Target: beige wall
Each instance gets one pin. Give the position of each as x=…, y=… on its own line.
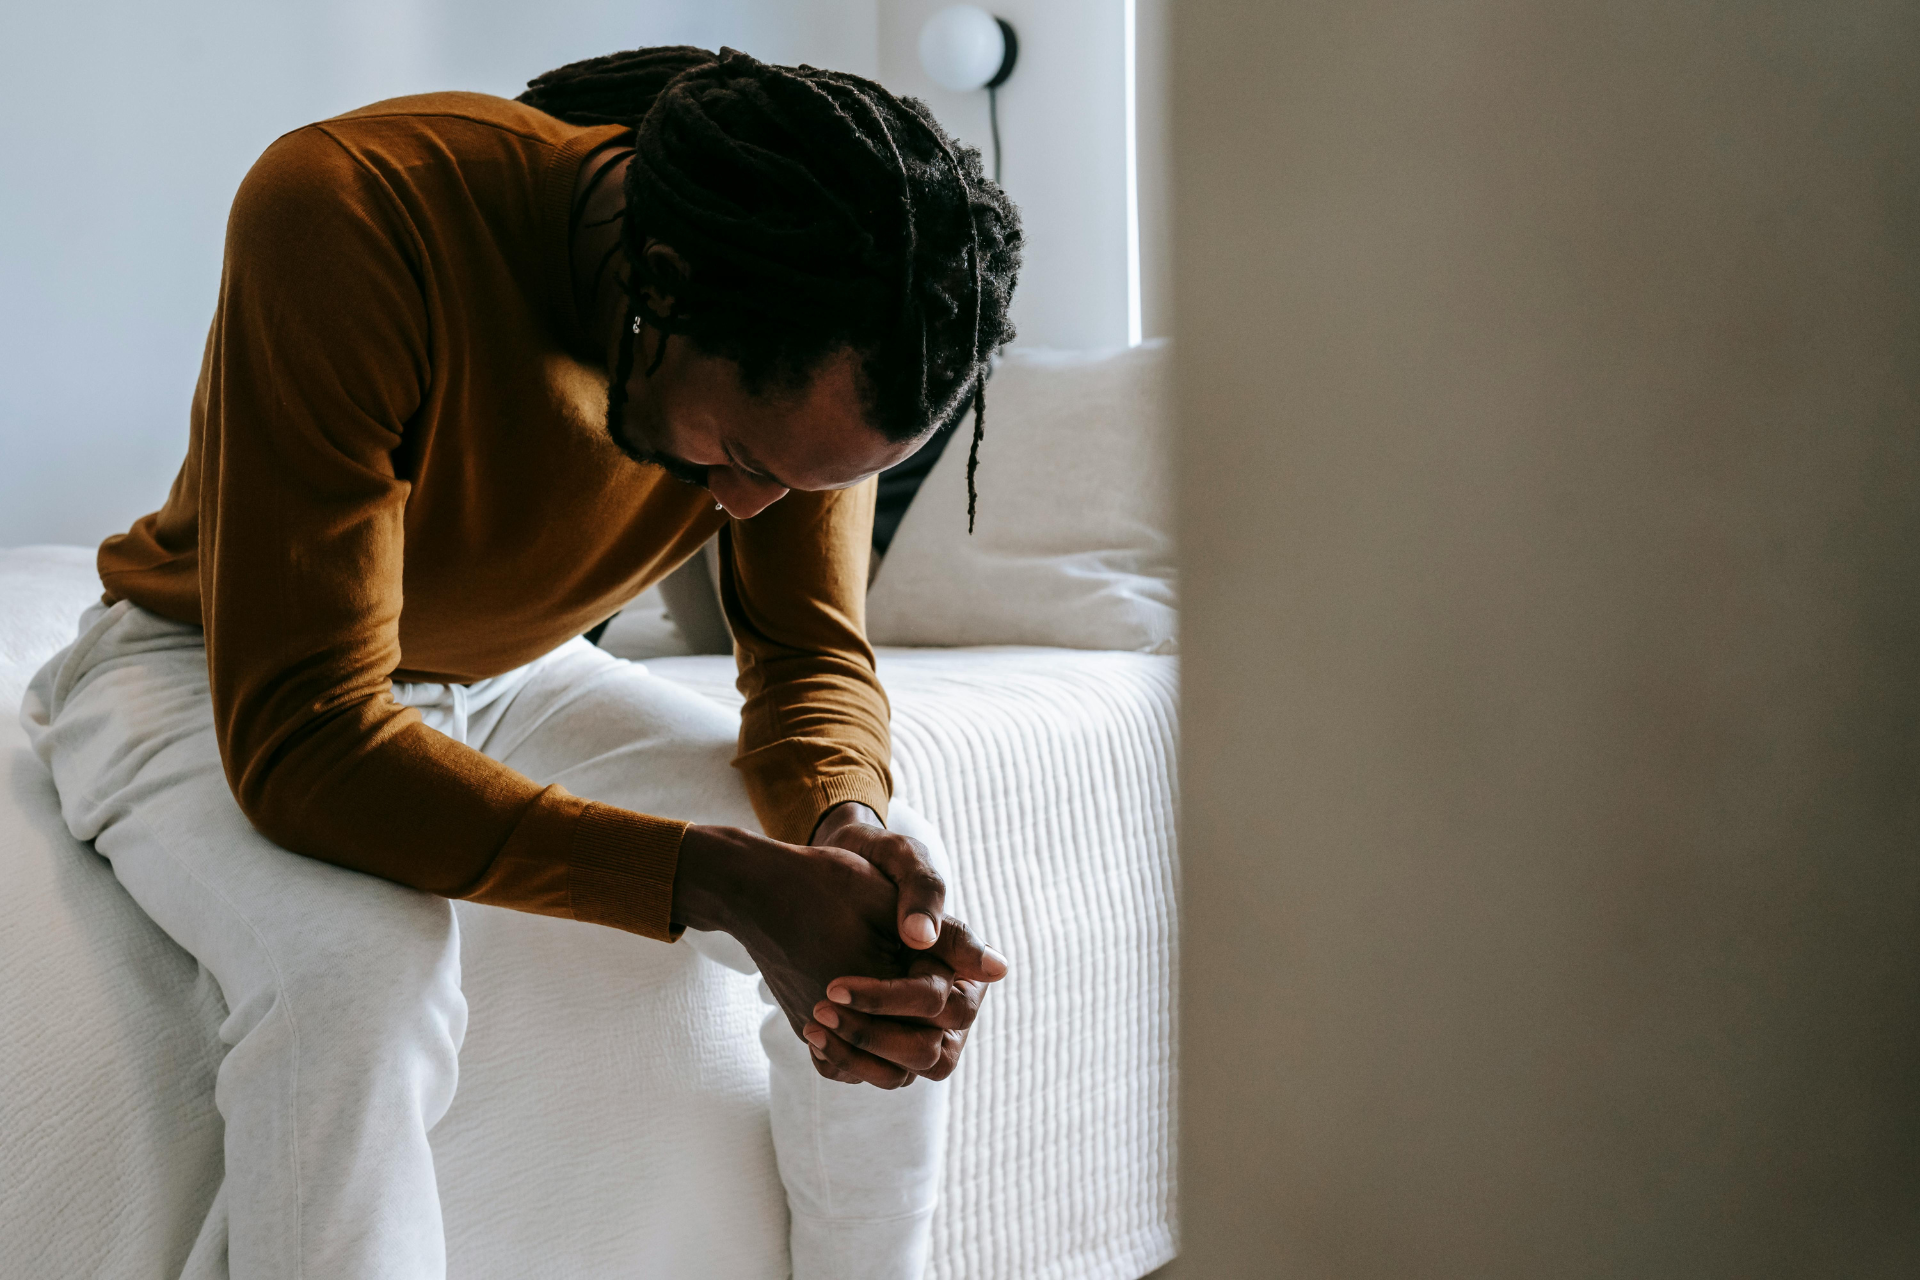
x=1550, y=428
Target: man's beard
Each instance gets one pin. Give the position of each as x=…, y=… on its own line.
x=679, y=468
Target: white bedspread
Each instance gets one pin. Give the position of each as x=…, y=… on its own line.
x=611, y=1114
x=111, y=1144
x=1050, y=773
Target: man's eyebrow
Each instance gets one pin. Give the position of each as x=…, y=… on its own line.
x=746, y=462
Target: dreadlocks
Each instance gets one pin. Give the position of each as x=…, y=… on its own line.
x=816, y=212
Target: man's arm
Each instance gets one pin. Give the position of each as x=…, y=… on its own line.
x=813, y=729
x=318, y=358
x=814, y=747
x=821, y=923
x=870, y=1023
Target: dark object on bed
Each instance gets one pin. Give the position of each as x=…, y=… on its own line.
x=690, y=597
x=897, y=487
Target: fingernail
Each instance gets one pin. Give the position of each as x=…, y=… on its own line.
x=919, y=930
x=816, y=1053
x=839, y=995
x=993, y=962
x=815, y=1037
x=826, y=1017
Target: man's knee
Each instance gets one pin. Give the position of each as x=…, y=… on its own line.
x=365, y=984
x=621, y=736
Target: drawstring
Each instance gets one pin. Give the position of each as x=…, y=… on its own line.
x=458, y=730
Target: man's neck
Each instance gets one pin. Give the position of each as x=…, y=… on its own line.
x=597, y=266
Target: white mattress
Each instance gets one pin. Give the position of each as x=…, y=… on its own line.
x=611, y=1114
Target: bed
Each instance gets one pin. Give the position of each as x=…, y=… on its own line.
x=611, y=1117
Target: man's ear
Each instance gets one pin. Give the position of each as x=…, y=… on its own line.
x=666, y=272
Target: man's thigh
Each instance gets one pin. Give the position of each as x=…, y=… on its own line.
x=606, y=730
x=134, y=755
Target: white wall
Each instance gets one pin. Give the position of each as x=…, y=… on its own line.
x=1155, y=160
x=1063, y=134
x=124, y=129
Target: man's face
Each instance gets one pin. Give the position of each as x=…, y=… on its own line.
x=694, y=418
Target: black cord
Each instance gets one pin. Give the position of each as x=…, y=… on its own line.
x=993, y=118
x=1009, y=54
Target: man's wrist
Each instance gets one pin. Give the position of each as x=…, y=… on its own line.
x=845, y=814
x=711, y=876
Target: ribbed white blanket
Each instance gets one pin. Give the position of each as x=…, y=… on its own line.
x=1050, y=773
x=611, y=1115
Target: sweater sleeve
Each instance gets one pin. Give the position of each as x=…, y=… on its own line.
x=318, y=358
x=813, y=732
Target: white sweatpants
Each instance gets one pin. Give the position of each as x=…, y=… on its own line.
x=345, y=1015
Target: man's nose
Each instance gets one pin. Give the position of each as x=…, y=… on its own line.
x=742, y=496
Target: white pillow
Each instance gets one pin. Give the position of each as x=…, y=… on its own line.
x=1071, y=545
x=644, y=630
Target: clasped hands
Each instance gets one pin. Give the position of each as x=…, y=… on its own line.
x=851, y=934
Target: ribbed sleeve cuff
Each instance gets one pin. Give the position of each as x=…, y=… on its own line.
x=795, y=820
x=620, y=870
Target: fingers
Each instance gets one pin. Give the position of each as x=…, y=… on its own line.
x=838, y=1060
x=967, y=955
x=930, y=1047
x=912, y=1045
x=923, y=996
x=923, y=894
x=930, y=993
x=827, y=1070
x=922, y=993
x=963, y=1006
x=952, y=1042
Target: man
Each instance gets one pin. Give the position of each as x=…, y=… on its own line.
x=480, y=372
